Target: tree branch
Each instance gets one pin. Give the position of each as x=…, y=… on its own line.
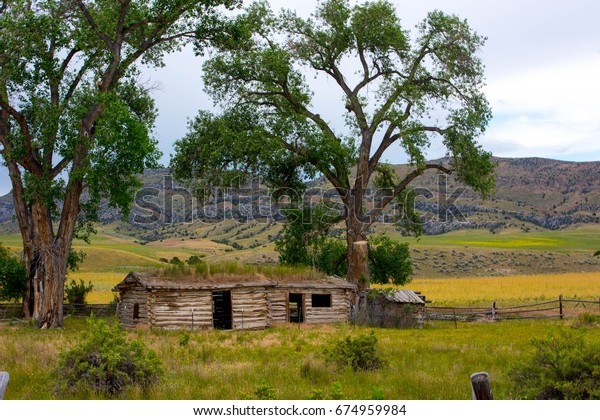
x=398, y=189
x=94, y=25
x=30, y=161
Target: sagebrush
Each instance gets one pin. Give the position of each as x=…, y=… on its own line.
x=359, y=353
x=105, y=362
x=564, y=366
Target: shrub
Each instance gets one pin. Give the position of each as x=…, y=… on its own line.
x=176, y=261
x=264, y=391
x=193, y=260
x=359, y=353
x=12, y=276
x=565, y=365
x=106, y=363
x=76, y=293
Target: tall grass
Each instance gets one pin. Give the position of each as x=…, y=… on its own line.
x=509, y=289
x=433, y=363
x=235, y=268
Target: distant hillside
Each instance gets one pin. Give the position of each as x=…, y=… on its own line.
x=531, y=193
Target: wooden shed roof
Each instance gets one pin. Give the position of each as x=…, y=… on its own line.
x=225, y=281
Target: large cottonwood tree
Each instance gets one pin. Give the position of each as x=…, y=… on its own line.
x=396, y=89
x=74, y=117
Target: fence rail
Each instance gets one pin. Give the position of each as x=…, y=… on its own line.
x=558, y=308
x=13, y=310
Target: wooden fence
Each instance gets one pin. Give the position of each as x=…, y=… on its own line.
x=558, y=308
x=13, y=310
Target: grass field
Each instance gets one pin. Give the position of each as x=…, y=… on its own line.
x=432, y=363
x=508, y=290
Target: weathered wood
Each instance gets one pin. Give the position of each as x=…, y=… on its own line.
x=4, y=377
x=481, y=387
x=560, y=306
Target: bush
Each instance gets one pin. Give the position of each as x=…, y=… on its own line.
x=359, y=353
x=193, y=260
x=12, y=277
x=389, y=261
x=264, y=391
x=76, y=293
x=106, y=363
x=176, y=261
x=564, y=366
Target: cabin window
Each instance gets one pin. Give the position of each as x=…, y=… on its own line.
x=136, y=311
x=321, y=301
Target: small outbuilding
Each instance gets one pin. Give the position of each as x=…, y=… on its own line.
x=230, y=302
x=393, y=308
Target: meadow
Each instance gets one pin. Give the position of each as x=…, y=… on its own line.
x=432, y=363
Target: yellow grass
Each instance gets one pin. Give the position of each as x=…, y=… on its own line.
x=509, y=289
x=103, y=283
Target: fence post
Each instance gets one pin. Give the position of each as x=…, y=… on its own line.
x=481, y=387
x=4, y=377
x=494, y=311
x=560, y=306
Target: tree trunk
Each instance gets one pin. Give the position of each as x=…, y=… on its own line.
x=358, y=255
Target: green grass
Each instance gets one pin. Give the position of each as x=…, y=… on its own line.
x=433, y=363
x=583, y=238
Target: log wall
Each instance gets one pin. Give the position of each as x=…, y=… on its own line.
x=172, y=310
x=250, y=308
x=338, y=312
x=129, y=298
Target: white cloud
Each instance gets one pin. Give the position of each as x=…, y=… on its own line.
x=550, y=110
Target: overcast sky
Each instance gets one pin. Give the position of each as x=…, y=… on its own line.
x=542, y=68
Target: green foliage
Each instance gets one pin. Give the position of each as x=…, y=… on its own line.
x=331, y=257
x=360, y=353
x=193, y=260
x=105, y=362
x=335, y=393
x=184, y=340
x=389, y=261
x=176, y=261
x=13, y=281
x=564, y=366
x=75, y=258
x=264, y=391
x=376, y=393
x=76, y=293
x=304, y=233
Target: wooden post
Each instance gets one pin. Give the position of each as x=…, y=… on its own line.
x=480, y=385
x=455, y=322
x=494, y=311
x=4, y=376
x=560, y=306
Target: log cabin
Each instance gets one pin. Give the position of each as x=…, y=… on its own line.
x=230, y=302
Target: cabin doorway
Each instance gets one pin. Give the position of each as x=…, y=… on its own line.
x=296, y=308
x=222, y=317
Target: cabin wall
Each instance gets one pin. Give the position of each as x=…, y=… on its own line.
x=172, y=310
x=250, y=307
x=129, y=298
x=338, y=312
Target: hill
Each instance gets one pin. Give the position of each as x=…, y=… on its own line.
x=530, y=194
